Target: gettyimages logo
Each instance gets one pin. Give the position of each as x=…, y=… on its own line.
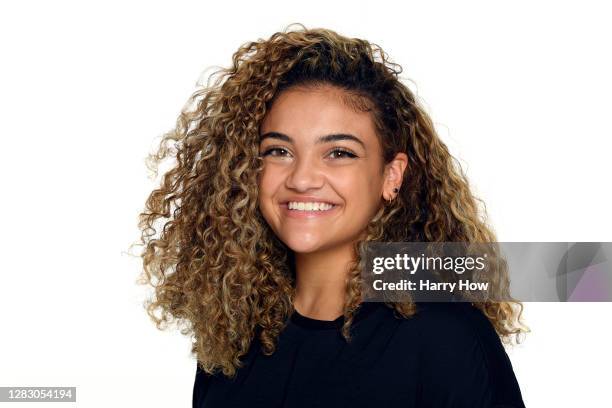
x=477, y=272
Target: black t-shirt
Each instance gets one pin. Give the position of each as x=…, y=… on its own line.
x=446, y=355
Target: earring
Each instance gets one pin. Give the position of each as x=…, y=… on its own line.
x=395, y=190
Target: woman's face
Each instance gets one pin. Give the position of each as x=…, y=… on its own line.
x=322, y=179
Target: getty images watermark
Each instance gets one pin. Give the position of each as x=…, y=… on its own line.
x=495, y=271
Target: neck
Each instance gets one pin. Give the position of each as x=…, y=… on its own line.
x=321, y=279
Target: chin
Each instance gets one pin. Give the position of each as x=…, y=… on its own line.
x=303, y=245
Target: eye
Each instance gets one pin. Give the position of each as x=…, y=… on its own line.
x=274, y=149
x=341, y=153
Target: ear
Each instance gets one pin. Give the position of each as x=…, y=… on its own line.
x=394, y=175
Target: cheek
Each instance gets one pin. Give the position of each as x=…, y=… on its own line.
x=265, y=183
x=360, y=190
x=268, y=184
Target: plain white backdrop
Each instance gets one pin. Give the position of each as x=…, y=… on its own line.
x=520, y=93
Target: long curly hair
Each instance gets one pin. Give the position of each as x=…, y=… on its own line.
x=216, y=267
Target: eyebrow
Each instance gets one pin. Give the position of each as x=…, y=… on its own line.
x=322, y=139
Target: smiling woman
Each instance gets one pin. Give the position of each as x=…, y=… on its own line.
x=310, y=148
x=318, y=150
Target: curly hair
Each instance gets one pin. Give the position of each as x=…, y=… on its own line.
x=216, y=267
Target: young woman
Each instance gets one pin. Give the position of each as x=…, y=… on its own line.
x=310, y=147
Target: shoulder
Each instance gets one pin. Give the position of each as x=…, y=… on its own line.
x=462, y=322
x=452, y=333
x=200, y=386
x=461, y=357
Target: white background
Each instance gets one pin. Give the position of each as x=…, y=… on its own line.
x=518, y=91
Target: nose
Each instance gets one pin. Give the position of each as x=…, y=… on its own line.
x=305, y=174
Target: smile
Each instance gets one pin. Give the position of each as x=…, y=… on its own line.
x=309, y=206
x=298, y=209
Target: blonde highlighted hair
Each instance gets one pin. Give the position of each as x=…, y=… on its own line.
x=215, y=265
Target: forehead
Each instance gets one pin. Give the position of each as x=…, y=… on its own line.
x=310, y=112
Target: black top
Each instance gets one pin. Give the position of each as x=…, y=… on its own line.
x=446, y=355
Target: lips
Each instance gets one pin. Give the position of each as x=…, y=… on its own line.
x=286, y=204
x=307, y=214
x=308, y=199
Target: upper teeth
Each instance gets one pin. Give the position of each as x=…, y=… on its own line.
x=301, y=206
